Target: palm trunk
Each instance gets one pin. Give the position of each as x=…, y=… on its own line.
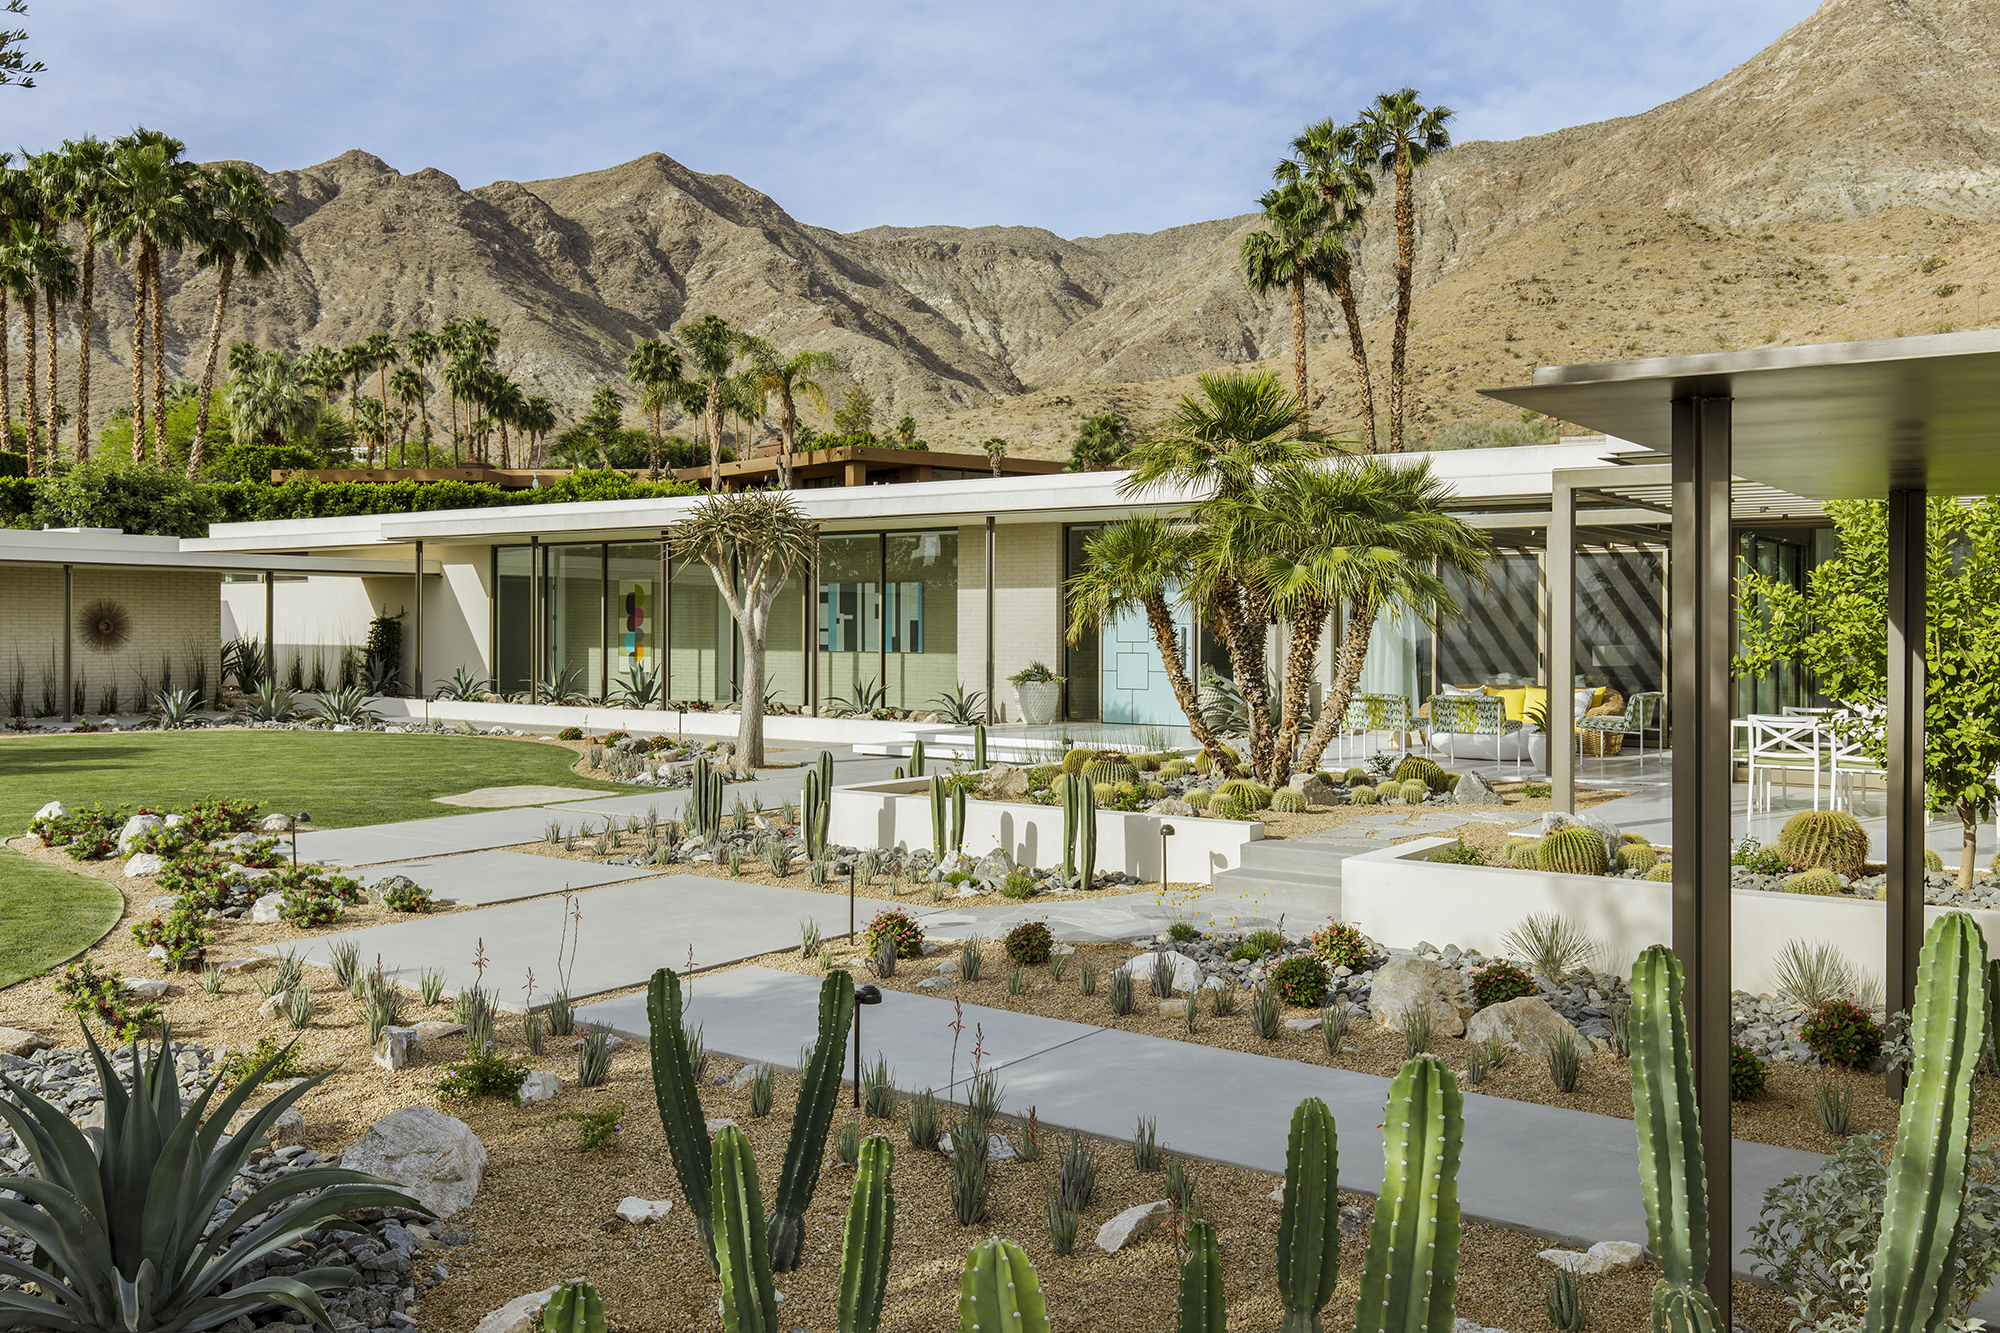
x=1166, y=635
x=83, y=335
x=1299, y=346
x=1343, y=288
x=653, y=460
x=1406, y=258
x=424, y=411
x=159, y=339
x=1243, y=636
x=6, y=389
x=715, y=437
x=791, y=434
x=1353, y=652
x=199, y=445
x=1300, y=660
x=49, y=304
x=28, y=381
x=454, y=430
x=139, y=362
x=504, y=455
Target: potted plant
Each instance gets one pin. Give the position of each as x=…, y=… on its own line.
x=1039, y=691
x=1537, y=716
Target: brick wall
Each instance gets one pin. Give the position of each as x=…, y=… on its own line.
x=1026, y=604
x=173, y=623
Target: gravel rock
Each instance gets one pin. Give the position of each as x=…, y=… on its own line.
x=636, y=1210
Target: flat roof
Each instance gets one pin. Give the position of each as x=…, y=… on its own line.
x=110, y=546
x=1830, y=421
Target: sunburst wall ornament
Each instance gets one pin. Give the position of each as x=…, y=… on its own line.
x=104, y=626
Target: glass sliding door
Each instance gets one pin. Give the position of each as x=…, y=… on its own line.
x=633, y=584
x=851, y=669
x=920, y=617
x=574, y=619
x=1082, y=660
x=1495, y=639
x=1620, y=619
x=702, y=654
x=513, y=619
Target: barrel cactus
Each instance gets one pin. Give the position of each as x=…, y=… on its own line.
x=1173, y=769
x=1363, y=794
x=1156, y=791
x=1416, y=791
x=1822, y=882
x=1074, y=761
x=1145, y=763
x=1451, y=781
x=1105, y=793
x=1824, y=840
x=1227, y=807
x=1418, y=769
x=1662, y=873
x=1932, y=861
x=1288, y=801
x=1197, y=797
x=1356, y=777
x=1113, y=771
x=1524, y=855
x=1639, y=839
x=1637, y=856
x=1573, y=850
x=1250, y=795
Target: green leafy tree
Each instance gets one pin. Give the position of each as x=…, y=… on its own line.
x=241, y=228
x=856, y=413
x=604, y=417
x=1101, y=443
x=1292, y=250
x=1402, y=134
x=15, y=67
x=1837, y=629
x=1327, y=158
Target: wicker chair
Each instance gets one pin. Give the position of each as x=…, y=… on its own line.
x=1599, y=741
x=1602, y=731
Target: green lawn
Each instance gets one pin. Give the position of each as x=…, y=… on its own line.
x=340, y=779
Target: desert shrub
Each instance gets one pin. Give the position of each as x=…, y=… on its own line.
x=570, y=734
x=1338, y=944
x=1747, y=1074
x=406, y=895
x=1765, y=860
x=218, y=817
x=1029, y=943
x=312, y=879
x=202, y=879
x=1841, y=1032
x=1017, y=885
x=290, y=1057
x=1499, y=981
x=1299, y=980
x=1460, y=853
x=483, y=1074
x=896, y=926
x=179, y=934
x=305, y=908
x=91, y=993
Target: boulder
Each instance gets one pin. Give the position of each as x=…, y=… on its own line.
x=1526, y=1025
x=1005, y=780
x=145, y=863
x=539, y=1086
x=1607, y=1256
x=13, y=1041
x=397, y=1047
x=265, y=911
x=432, y=1157
x=53, y=810
x=175, y=821
x=146, y=988
x=1598, y=824
x=1130, y=1225
x=992, y=869
x=523, y=1314
x=1404, y=986
x=250, y=964
x=276, y=824
x=997, y=1147
x=383, y=888
x=1304, y=1024
x=1475, y=790
x=277, y=1131
x=936, y=983
x=1318, y=790
x=636, y=1210
x=1173, y=807
x=135, y=829
x=1187, y=974
x=248, y=874
x=431, y=1029
x=745, y=1076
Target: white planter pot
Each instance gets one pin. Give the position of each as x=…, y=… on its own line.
x=1538, y=751
x=1038, y=700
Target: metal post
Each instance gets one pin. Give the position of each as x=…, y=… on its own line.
x=1560, y=710
x=270, y=632
x=882, y=616
x=660, y=604
x=1905, y=757
x=813, y=631
x=417, y=627
x=1701, y=599
x=534, y=619
x=666, y=626
x=857, y=1057
x=604, y=622
x=69, y=643
x=989, y=617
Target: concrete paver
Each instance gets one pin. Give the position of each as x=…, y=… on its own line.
x=375, y=844
x=477, y=879
x=496, y=798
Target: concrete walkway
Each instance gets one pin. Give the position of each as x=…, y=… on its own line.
x=479, y=879
x=1569, y=1175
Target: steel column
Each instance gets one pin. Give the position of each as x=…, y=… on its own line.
x=604, y=623
x=69, y=644
x=989, y=617
x=1559, y=720
x=661, y=629
x=534, y=619
x=1701, y=808
x=417, y=627
x=270, y=633
x=1905, y=757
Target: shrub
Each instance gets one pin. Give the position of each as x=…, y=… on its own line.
x=1747, y=1074
x=1460, y=853
x=613, y=737
x=1288, y=801
x=1338, y=944
x=202, y=879
x=1029, y=943
x=90, y=993
x=1824, y=839
x=1181, y=932
x=1299, y=980
x=179, y=934
x=1841, y=1032
x=1766, y=860
x=1017, y=885
x=218, y=816
x=483, y=1074
x=403, y=894
x=1499, y=981
x=167, y=843
x=309, y=907
x=312, y=879
x=1418, y=769
x=896, y=926
x=289, y=1055
x=570, y=734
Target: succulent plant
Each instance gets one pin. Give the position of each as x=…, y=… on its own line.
x=999, y=1292
x=1638, y=838
x=1227, y=807
x=1932, y=861
x=1574, y=849
x=1074, y=761
x=575, y=1308
x=1109, y=771
x=1247, y=794
x=1662, y=873
x=1363, y=794
x=1288, y=801
x=1824, y=840
x=1415, y=791
x=1419, y=769
x=1197, y=797
x=1356, y=777
x=1637, y=856
x=742, y=1256
x=871, y=1231
x=1821, y=882
x=1156, y=791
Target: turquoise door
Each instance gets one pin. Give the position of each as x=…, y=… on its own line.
x=1134, y=680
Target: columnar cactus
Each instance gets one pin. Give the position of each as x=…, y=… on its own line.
x=575, y=1308
x=1201, y=1307
x=704, y=804
x=1672, y=1180
x=742, y=1262
x=999, y=1292
x=679, y=1098
x=1409, y=1279
x=979, y=745
x=937, y=816
x=1086, y=836
x=1073, y=788
x=871, y=1230
x=958, y=800
x=1825, y=839
x=1309, y=1218
x=1573, y=850
x=917, y=758
x=816, y=813
x=819, y=1090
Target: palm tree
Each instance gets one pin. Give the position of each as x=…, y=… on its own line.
x=790, y=379
x=87, y=174
x=712, y=347
x=151, y=206
x=382, y=354
x=1327, y=158
x=478, y=336
x=461, y=379
x=12, y=184
x=505, y=404
x=752, y=543
x=241, y=227
x=421, y=348
x=409, y=387
x=355, y=366
x=654, y=367
x=270, y=398
x=59, y=287
x=1401, y=133
x=50, y=184
x=372, y=420
x=1294, y=249
x=20, y=276
x=538, y=418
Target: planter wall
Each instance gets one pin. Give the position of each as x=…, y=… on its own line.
x=1396, y=896
x=650, y=722
x=882, y=814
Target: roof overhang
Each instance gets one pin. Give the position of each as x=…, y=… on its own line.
x=109, y=548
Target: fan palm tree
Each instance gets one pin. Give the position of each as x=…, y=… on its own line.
x=382, y=354
x=1327, y=158
x=270, y=398
x=49, y=181
x=461, y=379
x=12, y=185
x=538, y=418
x=355, y=367
x=505, y=406
x=408, y=387
x=33, y=261
x=1400, y=133
x=1293, y=249
x=654, y=368
x=789, y=379
x=153, y=206
x=59, y=288
x=421, y=349
x=712, y=349
x=241, y=229
x=752, y=543
x=87, y=174
x=372, y=421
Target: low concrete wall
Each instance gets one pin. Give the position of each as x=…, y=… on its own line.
x=1396, y=896
x=646, y=721
x=882, y=814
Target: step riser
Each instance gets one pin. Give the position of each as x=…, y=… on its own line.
x=1296, y=856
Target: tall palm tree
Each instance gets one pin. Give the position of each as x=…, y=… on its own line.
x=1327, y=158
x=241, y=228
x=421, y=349
x=355, y=366
x=48, y=173
x=461, y=379
x=88, y=174
x=1401, y=134
x=712, y=349
x=655, y=368
x=270, y=398
x=1293, y=249
x=538, y=418
x=791, y=378
x=478, y=336
x=382, y=354
x=59, y=288
x=408, y=387
x=151, y=206
x=32, y=261
x=504, y=405
x=372, y=420
x=12, y=184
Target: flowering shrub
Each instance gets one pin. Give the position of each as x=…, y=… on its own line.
x=1029, y=944
x=1499, y=981
x=310, y=907
x=167, y=843
x=1339, y=944
x=1299, y=980
x=895, y=925
x=63, y=830
x=100, y=995
x=1841, y=1032
x=219, y=817
x=1747, y=1074
x=180, y=934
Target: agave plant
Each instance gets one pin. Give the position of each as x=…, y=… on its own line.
x=272, y=703
x=119, y=1216
x=347, y=707
x=464, y=686
x=640, y=688
x=961, y=708
x=379, y=674
x=173, y=710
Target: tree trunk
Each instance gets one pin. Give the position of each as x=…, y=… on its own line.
x=653, y=463
x=28, y=381
x=83, y=334
x=1167, y=636
x=790, y=424
x=1300, y=660
x=158, y=338
x=454, y=430
x=1406, y=258
x=198, y=448
x=750, y=728
x=424, y=411
x=6, y=389
x=505, y=455
x=49, y=304
x=1242, y=635
x=1968, y=846
x=139, y=361
x=1343, y=288
x=715, y=437
x=1359, y=629
x=1299, y=345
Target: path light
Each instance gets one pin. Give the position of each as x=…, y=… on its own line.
x=862, y=995
x=850, y=893
x=300, y=818
x=1166, y=831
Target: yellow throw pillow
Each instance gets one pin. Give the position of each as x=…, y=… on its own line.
x=1511, y=698
x=1533, y=697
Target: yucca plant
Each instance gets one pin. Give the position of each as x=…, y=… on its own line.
x=118, y=1215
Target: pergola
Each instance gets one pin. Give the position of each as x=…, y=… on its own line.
x=1895, y=418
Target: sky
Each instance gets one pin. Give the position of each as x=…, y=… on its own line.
x=1085, y=118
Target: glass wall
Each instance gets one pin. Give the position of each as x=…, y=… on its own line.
x=920, y=616
x=701, y=653
x=1399, y=657
x=512, y=614
x=1082, y=660
x=573, y=614
x=1787, y=555
x=1620, y=619
x=633, y=584
x=1493, y=641
x=850, y=620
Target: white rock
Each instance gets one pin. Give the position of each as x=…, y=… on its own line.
x=936, y=983
x=249, y=874
x=635, y=1209
x=434, y=1158
x=164, y=903
x=720, y=1123
x=432, y=1029
x=1475, y=790
x=158, y=953
x=745, y=1076
x=1604, y=1257
x=146, y=988
x=611, y=1042
x=539, y=1086
x=1598, y=824
x=1173, y=1008
x=523, y=1314
x=145, y=863
x=397, y=1047
x=1526, y=1025
x=1187, y=975
x=175, y=821
x=13, y=1041
x=1304, y=1024
x=1213, y=983
x=135, y=829
x=264, y=912
x=243, y=964
x=1403, y=986
x=272, y=1005
x=997, y=1147
x=53, y=810
x=275, y=824
x=948, y=968
x=1131, y=1224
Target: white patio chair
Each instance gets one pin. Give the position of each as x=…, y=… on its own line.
x=1781, y=745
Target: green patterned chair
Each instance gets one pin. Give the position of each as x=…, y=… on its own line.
x=1455, y=715
x=1643, y=712
x=1377, y=712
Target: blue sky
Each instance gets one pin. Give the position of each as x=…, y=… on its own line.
x=1081, y=118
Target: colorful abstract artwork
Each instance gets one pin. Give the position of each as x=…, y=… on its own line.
x=635, y=615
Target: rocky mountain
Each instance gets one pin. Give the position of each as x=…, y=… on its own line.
x=1843, y=182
